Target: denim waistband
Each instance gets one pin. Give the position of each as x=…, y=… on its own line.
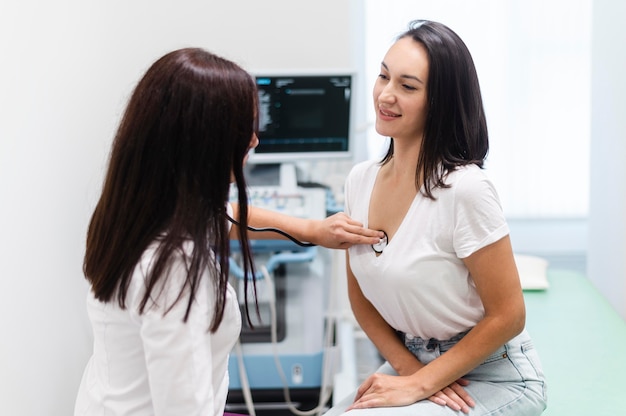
x=432, y=343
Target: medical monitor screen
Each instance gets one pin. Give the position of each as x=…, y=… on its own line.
x=303, y=117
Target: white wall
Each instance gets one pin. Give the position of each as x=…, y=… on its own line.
x=67, y=69
x=607, y=213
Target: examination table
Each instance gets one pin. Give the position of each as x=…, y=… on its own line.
x=581, y=341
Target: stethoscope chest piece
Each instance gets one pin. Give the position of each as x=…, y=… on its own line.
x=382, y=243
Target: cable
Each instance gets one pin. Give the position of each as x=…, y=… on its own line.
x=324, y=396
x=328, y=359
x=326, y=365
x=273, y=230
x=243, y=376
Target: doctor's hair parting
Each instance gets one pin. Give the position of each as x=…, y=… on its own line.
x=184, y=134
x=455, y=133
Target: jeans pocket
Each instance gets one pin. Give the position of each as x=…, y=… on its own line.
x=500, y=354
x=498, y=367
x=529, y=351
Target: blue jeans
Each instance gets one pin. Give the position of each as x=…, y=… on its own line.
x=510, y=382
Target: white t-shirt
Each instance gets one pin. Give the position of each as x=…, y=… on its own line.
x=419, y=284
x=151, y=364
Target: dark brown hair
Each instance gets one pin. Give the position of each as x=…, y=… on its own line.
x=456, y=127
x=185, y=131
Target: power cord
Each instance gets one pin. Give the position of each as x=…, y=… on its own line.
x=327, y=362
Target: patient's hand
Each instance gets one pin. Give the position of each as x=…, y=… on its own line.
x=454, y=396
x=382, y=390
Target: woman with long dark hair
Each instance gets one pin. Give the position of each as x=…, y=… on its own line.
x=164, y=316
x=441, y=300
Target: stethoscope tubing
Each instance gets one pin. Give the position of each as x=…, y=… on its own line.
x=273, y=230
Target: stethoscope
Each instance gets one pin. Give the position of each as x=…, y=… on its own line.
x=273, y=230
x=378, y=247
x=382, y=243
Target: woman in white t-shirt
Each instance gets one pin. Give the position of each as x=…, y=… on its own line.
x=440, y=298
x=164, y=316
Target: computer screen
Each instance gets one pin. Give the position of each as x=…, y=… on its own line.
x=303, y=116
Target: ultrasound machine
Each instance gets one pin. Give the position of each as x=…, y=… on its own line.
x=284, y=364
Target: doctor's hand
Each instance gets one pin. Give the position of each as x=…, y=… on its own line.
x=382, y=390
x=340, y=231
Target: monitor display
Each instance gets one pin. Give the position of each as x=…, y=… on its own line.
x=303, y=117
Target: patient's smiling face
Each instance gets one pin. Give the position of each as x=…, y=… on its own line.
x=400, y=92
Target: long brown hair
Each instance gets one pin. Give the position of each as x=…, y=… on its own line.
x=185, y=131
